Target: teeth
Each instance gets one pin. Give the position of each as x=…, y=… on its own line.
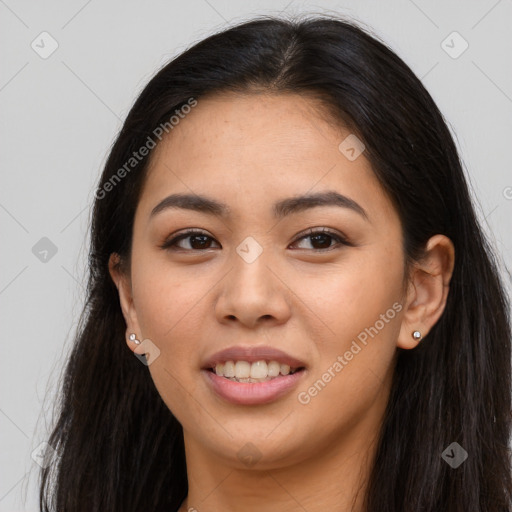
x=229, y=369
x=242, y=370
x=258, y=371
x=273, y=368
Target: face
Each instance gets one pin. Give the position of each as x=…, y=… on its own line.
x=322, y=283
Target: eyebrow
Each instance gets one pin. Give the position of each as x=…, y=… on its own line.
x=281, y=209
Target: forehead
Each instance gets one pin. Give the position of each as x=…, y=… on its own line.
x=253, y=148
x=247, y=121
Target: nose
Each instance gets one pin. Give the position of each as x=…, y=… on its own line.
x=252, y=294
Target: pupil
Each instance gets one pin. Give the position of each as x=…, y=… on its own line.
x=325, y=237
x=202, y=243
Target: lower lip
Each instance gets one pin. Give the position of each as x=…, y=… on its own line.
x=252, y=393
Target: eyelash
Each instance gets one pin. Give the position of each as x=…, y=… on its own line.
x=169, y=244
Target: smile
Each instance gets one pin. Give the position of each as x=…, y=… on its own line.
x=252, y=374
x=258, y=371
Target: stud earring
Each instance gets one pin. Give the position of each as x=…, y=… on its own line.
x=416, y=335
x=134, y=338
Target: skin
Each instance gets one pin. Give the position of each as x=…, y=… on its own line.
x=249, y=151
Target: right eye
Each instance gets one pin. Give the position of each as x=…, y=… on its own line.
x=197, y=241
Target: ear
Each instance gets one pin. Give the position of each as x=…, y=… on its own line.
x=123, y=284
x=428, y=288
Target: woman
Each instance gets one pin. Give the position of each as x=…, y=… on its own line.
x=284, y=239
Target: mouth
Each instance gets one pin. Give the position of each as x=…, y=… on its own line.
x=252, y=375
x=253, y=372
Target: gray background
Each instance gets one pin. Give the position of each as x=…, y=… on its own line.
x=60, y=115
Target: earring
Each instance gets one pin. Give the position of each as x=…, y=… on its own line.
x=416, y=335
x=134, y=338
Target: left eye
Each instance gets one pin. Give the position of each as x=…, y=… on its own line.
x=323, y=238
x=197, y=240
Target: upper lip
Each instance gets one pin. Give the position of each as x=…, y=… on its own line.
x=252, y=354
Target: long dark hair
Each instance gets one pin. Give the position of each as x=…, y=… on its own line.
x=121, y=449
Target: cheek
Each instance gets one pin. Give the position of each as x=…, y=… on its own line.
x=165, y=298
x=352, y=294
x=169, y=306
x=354, y=365
x=169, y=314
x=359, y=305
